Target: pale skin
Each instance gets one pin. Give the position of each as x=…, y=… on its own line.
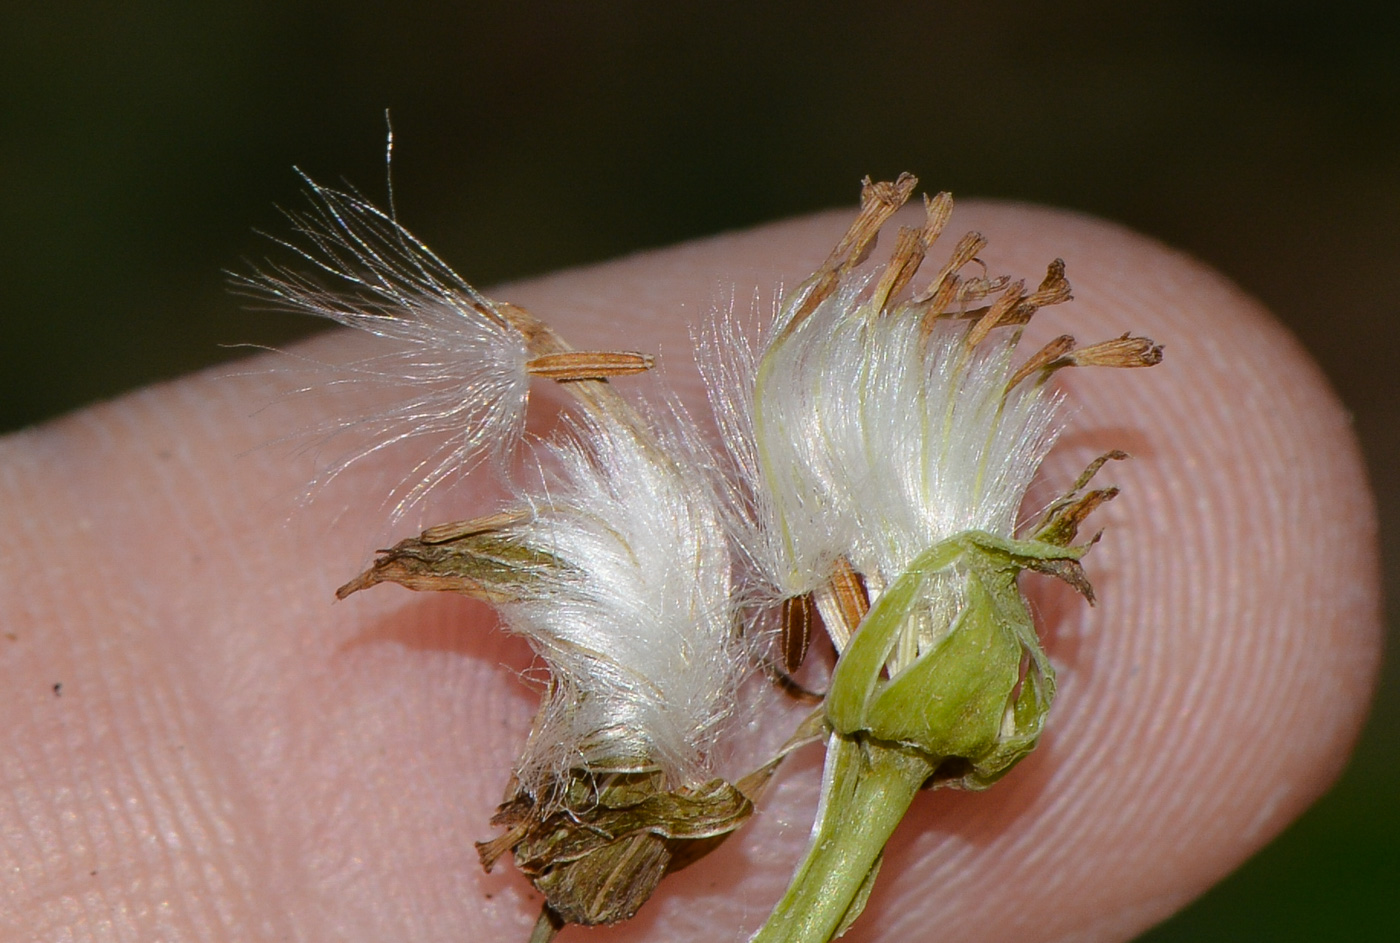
x=231, y=756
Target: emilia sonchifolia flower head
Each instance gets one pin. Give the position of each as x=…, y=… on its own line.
x=614, y=564
x=883, y=441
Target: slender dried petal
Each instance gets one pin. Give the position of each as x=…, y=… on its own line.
x=1125, y=351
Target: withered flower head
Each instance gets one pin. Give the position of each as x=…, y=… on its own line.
x=615, y=565
x=883, y=440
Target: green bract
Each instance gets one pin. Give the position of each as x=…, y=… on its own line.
x=958, y=700
x=962, y=713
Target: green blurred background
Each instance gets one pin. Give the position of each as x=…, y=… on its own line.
x=142, y=142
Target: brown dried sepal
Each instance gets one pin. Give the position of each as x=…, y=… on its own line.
x=909, y=249
x=976, y=289
x=1068, y=571
x=1041, y=359
x=598, y=845
x=589, y=365
x=1014, y=307
x=878, y=202
x=1124, y=352
x=455, y=530
x=1060, y=523
x=937, y=211
x=938, y=304
x=1002, y=309
x=1053, y=289
x=479, y=558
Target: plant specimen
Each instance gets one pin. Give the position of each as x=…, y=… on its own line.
x=877, y=448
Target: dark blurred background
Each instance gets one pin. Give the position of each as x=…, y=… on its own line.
x=142, y=142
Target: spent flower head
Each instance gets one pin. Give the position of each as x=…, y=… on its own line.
x=883, y=441
x=614, y=564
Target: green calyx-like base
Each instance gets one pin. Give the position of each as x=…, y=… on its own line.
x=962, y=712
x=959, y=699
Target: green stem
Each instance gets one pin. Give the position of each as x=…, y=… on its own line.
x=866, y=790
x=547, y=927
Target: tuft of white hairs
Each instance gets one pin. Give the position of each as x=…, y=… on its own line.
x=635, y=624
x=871, y=435
x=456, y=363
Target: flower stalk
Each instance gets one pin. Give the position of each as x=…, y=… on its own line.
x=954, y=714
x=866, y=788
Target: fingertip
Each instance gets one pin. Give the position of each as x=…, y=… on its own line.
x=1208, y=699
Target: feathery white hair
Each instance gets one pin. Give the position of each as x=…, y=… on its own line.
x=872, y=435
x=635, y=622
x=635, y=625
x=458, y=362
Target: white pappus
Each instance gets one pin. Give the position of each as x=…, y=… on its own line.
x=635, y=623
x=452, y=355
x=870, y=436
x=614, y=563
